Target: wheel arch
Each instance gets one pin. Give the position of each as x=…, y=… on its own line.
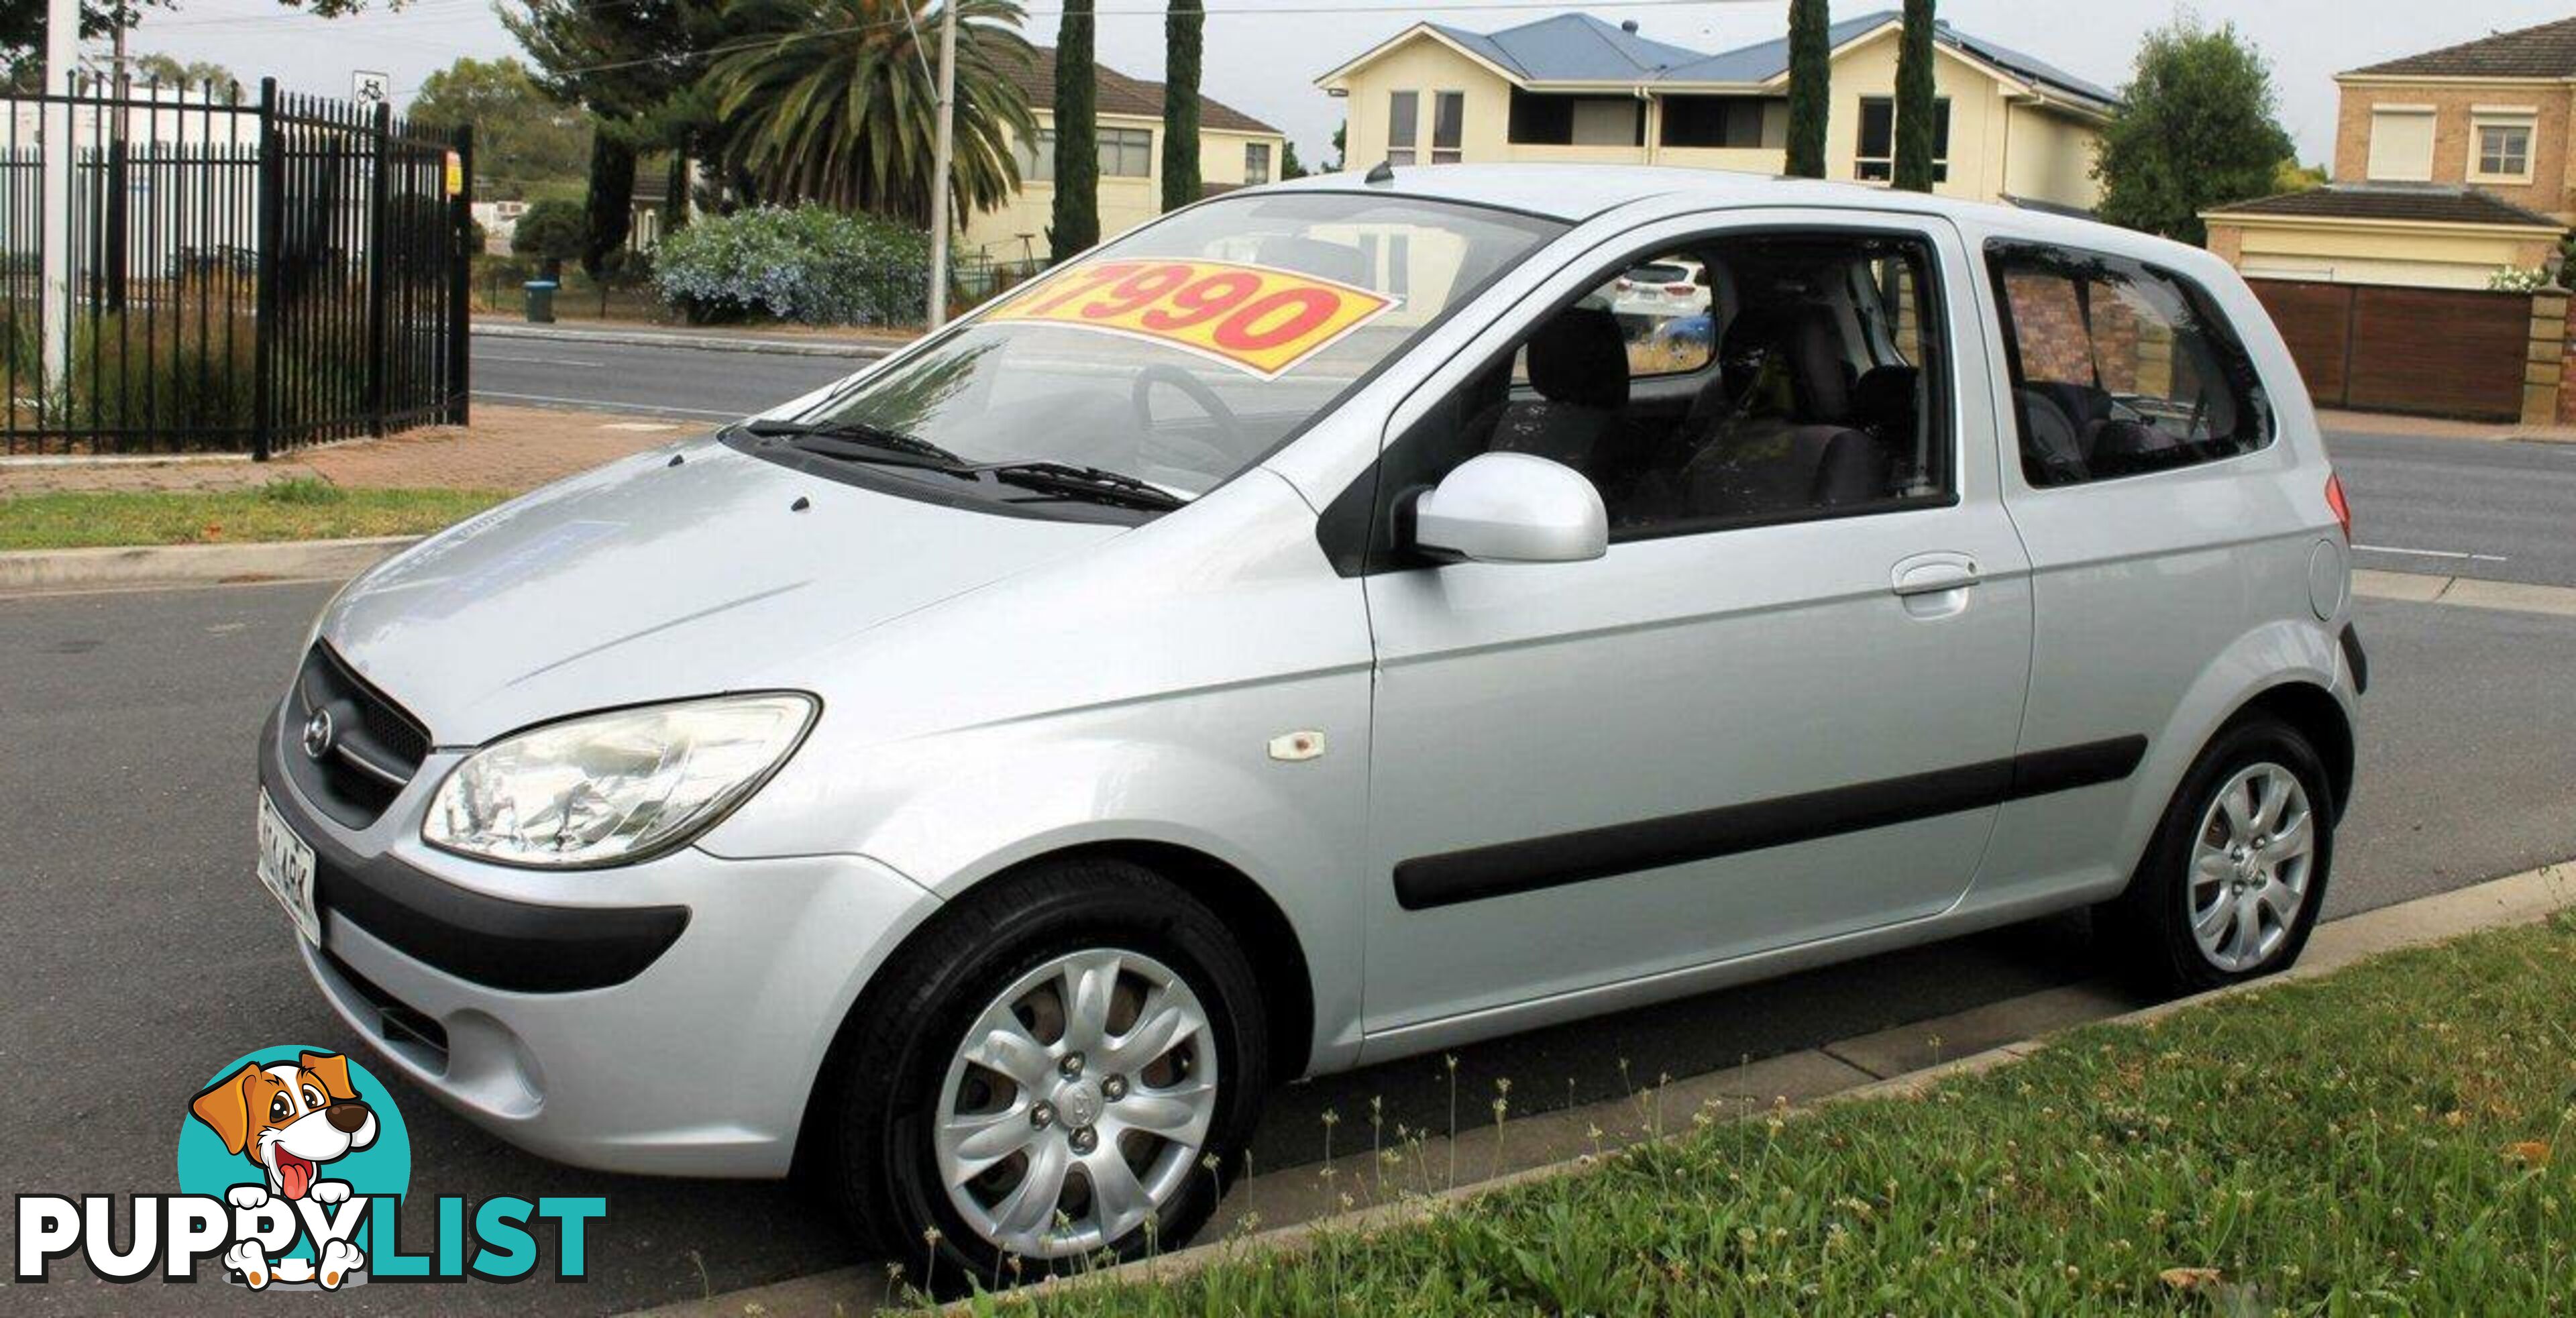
x=1268, y=938
x=2322, y=719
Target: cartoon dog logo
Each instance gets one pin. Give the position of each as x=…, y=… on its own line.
x=289, y=1120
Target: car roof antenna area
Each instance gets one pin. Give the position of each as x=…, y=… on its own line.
x=1381, y=172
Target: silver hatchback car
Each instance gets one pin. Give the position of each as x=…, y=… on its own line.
x=1314, y=628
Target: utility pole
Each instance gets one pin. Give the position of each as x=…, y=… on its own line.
x=62, y=51
x=942, y=162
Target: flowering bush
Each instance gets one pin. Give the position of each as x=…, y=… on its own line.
x=2513, y=280
x=809, y=264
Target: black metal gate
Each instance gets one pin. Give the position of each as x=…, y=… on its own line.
x=251, y=277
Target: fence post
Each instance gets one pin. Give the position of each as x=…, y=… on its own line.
x=379, y=183
x=272, y=180
x=460, y=285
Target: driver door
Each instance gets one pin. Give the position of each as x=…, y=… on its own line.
x=1726, y=736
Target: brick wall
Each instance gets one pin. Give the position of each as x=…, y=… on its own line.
x=2049, y=323
x=2564, y=320
x=2549, y=190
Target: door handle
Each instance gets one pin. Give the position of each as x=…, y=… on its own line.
x=1929, y=574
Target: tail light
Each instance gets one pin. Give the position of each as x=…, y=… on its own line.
x=1625, y=286
x=2342, y=509
x=1678, y=290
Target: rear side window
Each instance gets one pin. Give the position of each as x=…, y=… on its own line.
x=2119, y=369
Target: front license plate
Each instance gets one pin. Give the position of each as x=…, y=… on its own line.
x=286, y=869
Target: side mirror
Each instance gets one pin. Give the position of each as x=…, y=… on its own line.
x=1511, y=508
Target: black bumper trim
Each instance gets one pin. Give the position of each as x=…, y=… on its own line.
x=518, y=947
x=2353, y=656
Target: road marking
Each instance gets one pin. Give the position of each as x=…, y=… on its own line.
x=607, y=405
x=2465, y=592
x=2432, y=553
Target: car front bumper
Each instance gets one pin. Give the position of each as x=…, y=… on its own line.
x=668, y=1017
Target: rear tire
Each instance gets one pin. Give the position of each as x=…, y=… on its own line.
x=1130, y=1035
x=2236, y=872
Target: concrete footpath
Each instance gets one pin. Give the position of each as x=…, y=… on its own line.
x=1288, y=1210
x=792, y=341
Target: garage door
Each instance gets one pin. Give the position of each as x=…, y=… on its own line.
x=2431, y=351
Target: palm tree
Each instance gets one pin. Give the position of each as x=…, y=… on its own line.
x=833, y=101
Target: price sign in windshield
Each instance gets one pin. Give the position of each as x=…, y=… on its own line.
x=1255, y=318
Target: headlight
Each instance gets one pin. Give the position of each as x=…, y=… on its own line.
x=604, y=789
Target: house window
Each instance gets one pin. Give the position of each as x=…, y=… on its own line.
x=2401, y=143
x=1256, y=162
x=1875, y=160
x=1126, y=152
x=2504, y=149
x=1448, y=127
x=1546, y=119
x=1036, y=155
x=1403, y=110
x=1735, y=122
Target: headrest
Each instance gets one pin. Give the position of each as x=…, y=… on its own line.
x=1802, y=340
x=1580, y=357
x=1885, y=397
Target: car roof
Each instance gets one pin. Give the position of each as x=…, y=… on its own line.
x=1575, y=193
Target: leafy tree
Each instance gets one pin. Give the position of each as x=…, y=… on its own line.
x=835, y=102
x=1915, y=104
x=1289, y=165
x=1075, y=224
x=638, y=66
x=1341, y=146
x=2291, y=176
x=1810, y=86
x=551, y=232
x=526, y=144
x=1184, y=31
x=191, y=74
x=610, y=201
x=2198, y=128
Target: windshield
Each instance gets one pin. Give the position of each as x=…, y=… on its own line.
x=1179, y=355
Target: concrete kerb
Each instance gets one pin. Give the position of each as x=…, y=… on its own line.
x=180, y=565
x=783, y=347
x=2516, y=899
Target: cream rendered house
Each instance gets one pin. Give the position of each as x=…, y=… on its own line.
x=1235, y=150
x=2450, y=166
x=1574, y=88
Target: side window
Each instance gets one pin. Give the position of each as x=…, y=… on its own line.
x=1744, y=379
x=2119, y=369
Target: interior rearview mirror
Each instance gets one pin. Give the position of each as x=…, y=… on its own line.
x=1511, y=508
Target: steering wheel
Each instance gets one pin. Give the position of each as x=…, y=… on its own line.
x=1225, y=455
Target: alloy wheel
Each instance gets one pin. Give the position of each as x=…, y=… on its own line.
x=2250, y=866
x=1077, y=1104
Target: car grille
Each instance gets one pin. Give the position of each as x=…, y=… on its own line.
x=374, y=748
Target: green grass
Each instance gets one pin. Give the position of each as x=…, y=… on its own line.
x=2374, y=1142
x=297, y=509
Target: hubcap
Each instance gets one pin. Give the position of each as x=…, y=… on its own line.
x=2250, y=867
x=1077, y=1104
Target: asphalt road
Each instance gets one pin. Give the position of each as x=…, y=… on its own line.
x=142, y=956
x=2495, y=510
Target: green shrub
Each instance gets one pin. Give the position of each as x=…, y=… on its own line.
x=551, y=233
x=809, y=264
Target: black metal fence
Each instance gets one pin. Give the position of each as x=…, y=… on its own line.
x=242, y=276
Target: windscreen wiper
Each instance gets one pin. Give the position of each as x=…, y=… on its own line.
x=858, y=441
x=1071, y=480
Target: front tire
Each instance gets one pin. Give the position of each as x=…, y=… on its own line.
x=2236, y=873
x=1067, y=1064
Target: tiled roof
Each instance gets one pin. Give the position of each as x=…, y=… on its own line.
x=1121, y=94
x=2546, y=51
x=2431, y=204
x=1581, y=48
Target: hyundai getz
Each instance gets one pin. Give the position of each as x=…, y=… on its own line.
x=1315, y=628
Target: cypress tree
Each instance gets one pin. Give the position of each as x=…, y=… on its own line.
x=1915, y=107
x=611, y=200
x=1810, y=86
x=1076, y=225
x=1184, y=29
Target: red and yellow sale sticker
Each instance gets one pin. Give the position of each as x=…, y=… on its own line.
x=1256, y=318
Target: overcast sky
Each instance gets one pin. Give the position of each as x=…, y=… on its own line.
x=1263, y=55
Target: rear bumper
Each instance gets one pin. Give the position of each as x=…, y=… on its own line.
x=668, y=1017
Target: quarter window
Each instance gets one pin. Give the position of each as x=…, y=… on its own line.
x=2119, y=369
x=1875, y=160
x=1403, y=111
